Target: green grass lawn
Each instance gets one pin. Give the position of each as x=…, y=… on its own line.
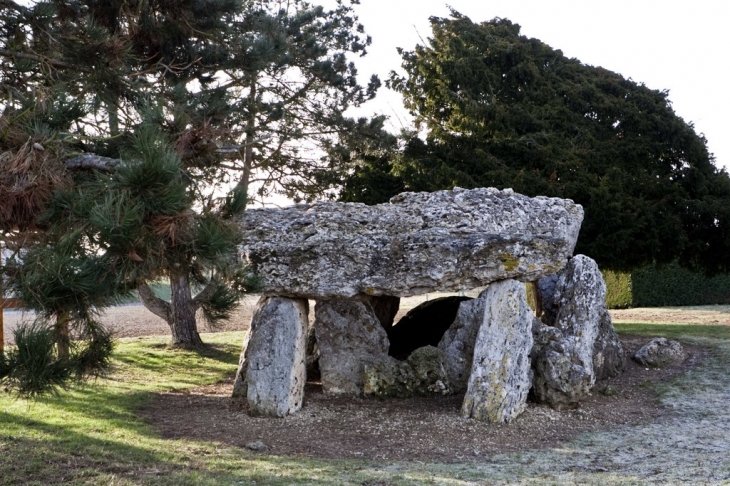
x=92, y=435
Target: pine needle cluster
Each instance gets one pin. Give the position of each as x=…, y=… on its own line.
x=34, y=367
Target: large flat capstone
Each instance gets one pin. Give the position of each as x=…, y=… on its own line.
x=415, y=244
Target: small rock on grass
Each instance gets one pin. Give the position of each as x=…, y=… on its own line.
x=257, y=446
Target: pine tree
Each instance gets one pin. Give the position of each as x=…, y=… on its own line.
x=125, y=123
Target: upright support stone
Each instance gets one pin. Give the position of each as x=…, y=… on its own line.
x=583, y=345
x=457, y=344
x=272, y=371
x=609, y=357
x=349, y=335
x=501, y=376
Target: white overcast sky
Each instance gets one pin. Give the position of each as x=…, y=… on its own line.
x=682, y=46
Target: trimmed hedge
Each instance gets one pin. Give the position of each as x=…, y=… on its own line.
x=618, y=289
x=665, y=286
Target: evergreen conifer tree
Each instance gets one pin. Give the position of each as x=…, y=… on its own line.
x=503, y=110
x=125, y=123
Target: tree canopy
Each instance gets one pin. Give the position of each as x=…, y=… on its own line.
x=500, y=109
x=130, y=133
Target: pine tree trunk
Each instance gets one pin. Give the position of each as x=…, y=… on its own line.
x=182, y=313
x=250, y=133
x=63, y=340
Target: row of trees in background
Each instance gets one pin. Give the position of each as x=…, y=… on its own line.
x=134, y=132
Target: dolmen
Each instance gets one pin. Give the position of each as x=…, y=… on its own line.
x=357, y=261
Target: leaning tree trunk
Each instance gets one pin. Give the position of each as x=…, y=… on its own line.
x=179, y=313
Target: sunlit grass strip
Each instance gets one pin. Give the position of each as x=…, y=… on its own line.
x=675, y=331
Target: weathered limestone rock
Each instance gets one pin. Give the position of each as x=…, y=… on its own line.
x=457, y=343
x=659, y=352
x=240, y=386
x=417, y=243
x=609, y=357
x=424, y=325
x=501, y=375
x=586, y=348
x=580, y=297
x=560, y=379
x=272, y=371
x=423, y=373
x=349, y=336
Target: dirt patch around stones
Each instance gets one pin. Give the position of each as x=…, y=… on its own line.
x=421, y=428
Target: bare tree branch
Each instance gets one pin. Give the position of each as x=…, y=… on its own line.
x=154, y=304
x=34, y=57
x=92, y=162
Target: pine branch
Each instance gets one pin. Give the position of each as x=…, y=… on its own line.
x=92, y=162
x=34, y=57
x=205, y=294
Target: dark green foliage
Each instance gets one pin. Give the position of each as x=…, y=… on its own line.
x=91, y=355
x=665, y=286
x=503, y=110
x=33, y=367
x=367, y=151
x=220, y=305
x=244, y=281
x=191, y=99
x=68, y=278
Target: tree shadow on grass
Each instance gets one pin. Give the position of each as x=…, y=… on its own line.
x=35, y=452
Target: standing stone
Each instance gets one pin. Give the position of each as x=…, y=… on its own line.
x=501, y=376
x=240, y=386
x=561, y=378
x=349, y=335
x=609, y=357
x=273, y=362
x=567, y=363
x=457, y=344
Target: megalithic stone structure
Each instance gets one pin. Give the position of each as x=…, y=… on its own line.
x=349, y=253
x=578, y=345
